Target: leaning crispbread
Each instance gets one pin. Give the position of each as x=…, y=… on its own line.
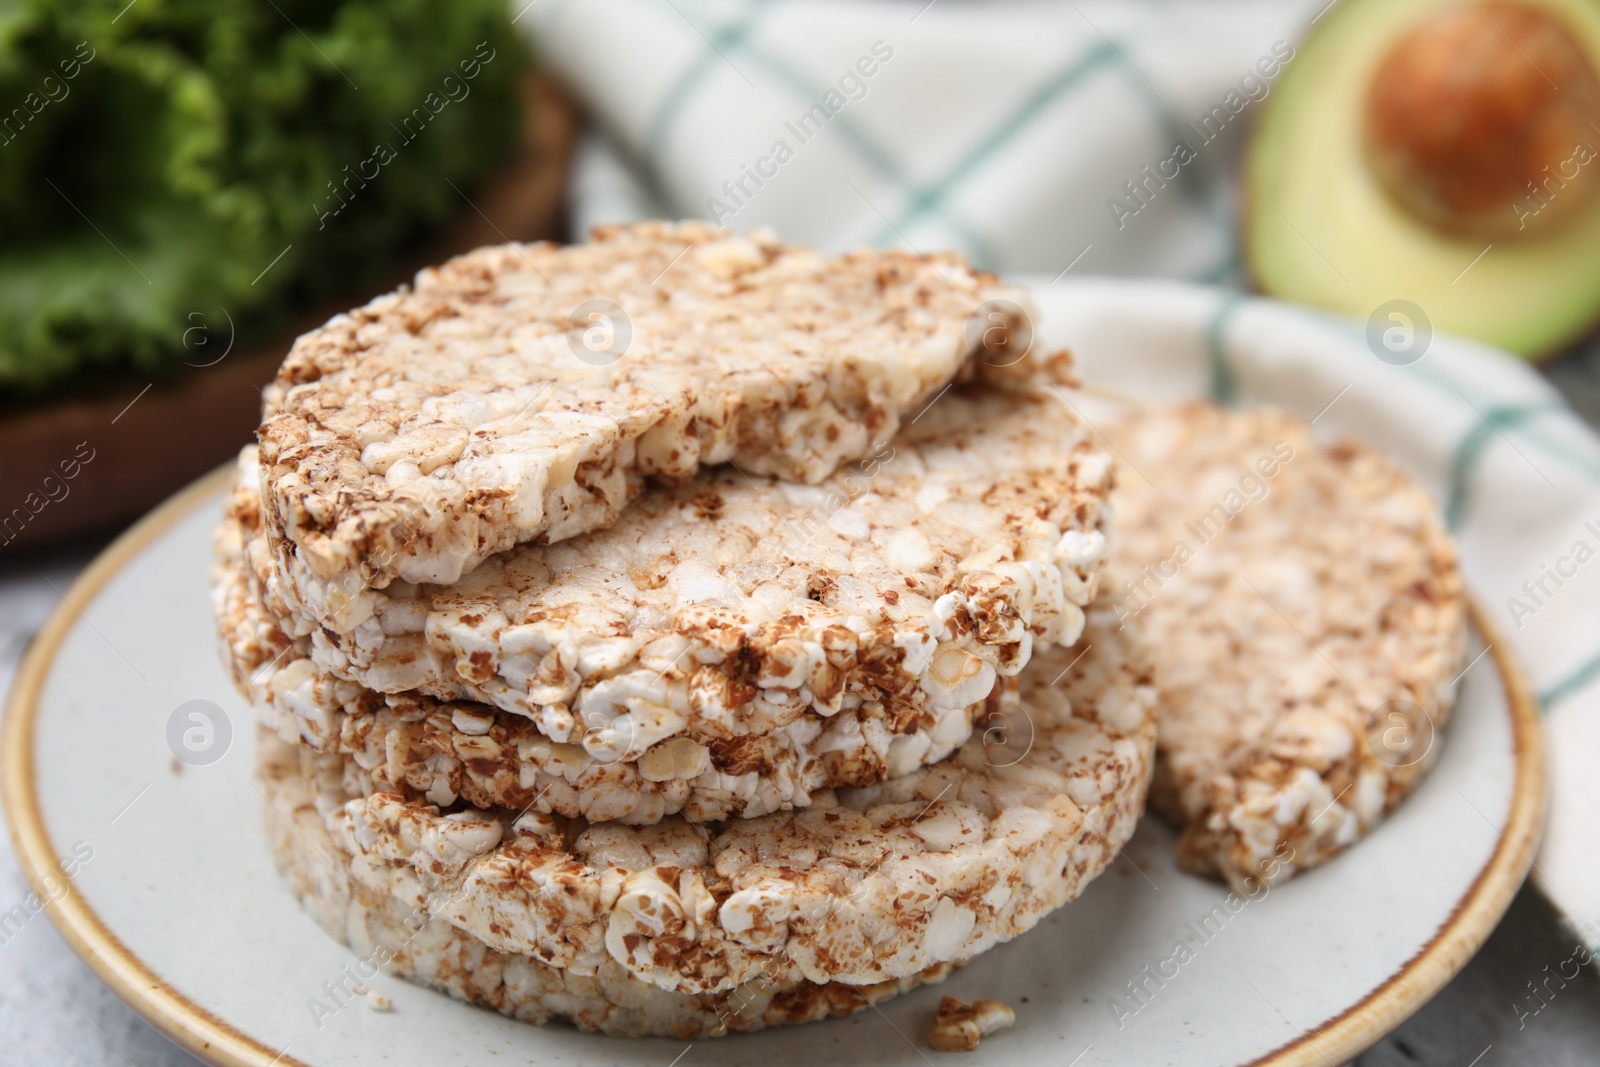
x=392, y=935
x=523, y=393
x=1306, y=612
x=865, y=886
x=736, y=606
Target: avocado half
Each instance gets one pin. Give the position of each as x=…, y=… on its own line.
x=1321, y=229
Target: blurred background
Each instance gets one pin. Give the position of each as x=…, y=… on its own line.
x=185, y=186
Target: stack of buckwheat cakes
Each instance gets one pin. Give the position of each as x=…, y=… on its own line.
x=683, y=633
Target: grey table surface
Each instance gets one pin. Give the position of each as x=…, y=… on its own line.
x=53, y=1011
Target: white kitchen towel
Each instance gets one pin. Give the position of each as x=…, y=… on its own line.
x=1020, y=133
x=1095, y=134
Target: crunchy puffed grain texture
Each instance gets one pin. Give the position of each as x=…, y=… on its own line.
x=402, y=938
x=489, y=758
x=865, y=886
x=485, y=407
x=1307, y=614
x=732, y=605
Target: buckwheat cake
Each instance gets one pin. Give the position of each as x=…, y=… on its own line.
x=522, y=393
x=390, y=935
x=1307, y=614
x=866, y=886
x=447, y=750
x=736, y=605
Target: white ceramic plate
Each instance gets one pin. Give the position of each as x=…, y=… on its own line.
x=179, y=910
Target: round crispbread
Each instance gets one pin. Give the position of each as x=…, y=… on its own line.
x=523, y=393
x=1307, y=616
x=450, y=750
x=865, y=886
x=391, y=936
x=745, y=640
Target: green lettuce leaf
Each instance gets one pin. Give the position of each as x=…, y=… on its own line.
x=226, y=159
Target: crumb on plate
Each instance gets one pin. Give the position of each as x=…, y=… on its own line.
x=959, y=1026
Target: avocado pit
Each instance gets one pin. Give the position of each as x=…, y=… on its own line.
x=1483, y=120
